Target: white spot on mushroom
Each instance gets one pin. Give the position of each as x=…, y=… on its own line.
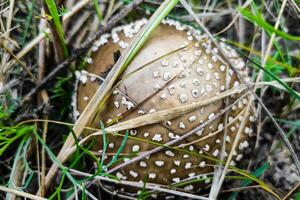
x=128, y=104
x=117, y=104
x=159, y=163
x=211, y=115
x=195, y=93
x=192, y=118
x=239, y=157
x=216, y=152
x=143, y=164
x=210, y=66
x=157, y=86
x=133, y=132
x=155, y=74
x=183, y=84
x=222, y=68
x=177, y=162
x=188, y=165
x=208, y=88
x=89, y=60
x=214, y=58
x=135, y=148
x=146, y=134
x=167, y=76
x=176, y=180
x=192, y=174
x=133, y=174
x=200, y=71
x=169, y=153
x=141, y=112
x=202, y=164
x=171, y=89
x=183, y=98
x=115, y=92
x=189, y=187
x=181, y=125
x=157, y=137
x=111, y=145
x=123, y=44
x=233, y=129
x=186, y=156
x=206, y=147
x=152, y=110
x=163, y=96
x=173, y=171
x=199, y=133
x=196, y=81
x=251, y=118
x=152, y=175
x=208, y=77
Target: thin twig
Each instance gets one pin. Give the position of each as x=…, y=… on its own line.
x=20, y=193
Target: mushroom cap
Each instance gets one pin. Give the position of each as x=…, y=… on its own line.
x=177, y=66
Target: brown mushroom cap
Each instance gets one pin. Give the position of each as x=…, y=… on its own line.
x=192, y=72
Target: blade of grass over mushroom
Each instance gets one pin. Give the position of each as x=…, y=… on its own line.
x=57, y=23
x=115, y=157
x=104, y=90
x=104, y=140
x=258, y=172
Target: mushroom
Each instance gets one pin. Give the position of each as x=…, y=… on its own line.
x=176, y=66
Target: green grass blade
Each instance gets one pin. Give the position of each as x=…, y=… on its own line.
x=115, y=157
x=290, y=90
x=57, y=23
x=258, y=172
x=98, y=10
x=258, y=19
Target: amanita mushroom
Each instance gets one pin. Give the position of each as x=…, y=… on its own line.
x=177, y=66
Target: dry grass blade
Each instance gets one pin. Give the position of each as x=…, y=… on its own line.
x=104, y=90
x=20, y=193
